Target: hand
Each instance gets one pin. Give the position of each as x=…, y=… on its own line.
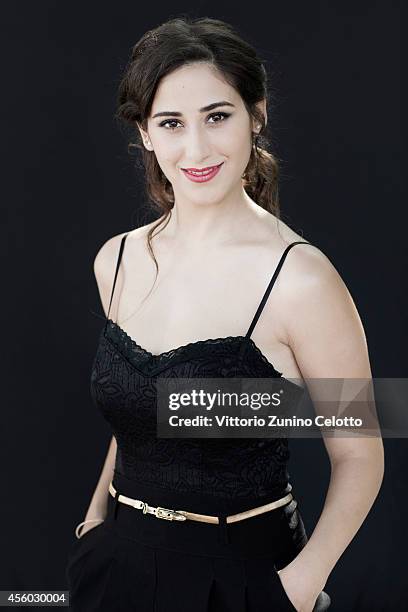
x=302, y=584
x=86, y=525
x=87, y=528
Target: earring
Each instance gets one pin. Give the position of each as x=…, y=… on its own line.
x=257, y=130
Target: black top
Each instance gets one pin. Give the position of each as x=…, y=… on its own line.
x=123, y=389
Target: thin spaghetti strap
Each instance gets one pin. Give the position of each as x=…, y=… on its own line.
x=122, y=244
x=269, y=288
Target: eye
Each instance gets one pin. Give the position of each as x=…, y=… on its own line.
x=223, y=115
x=167, y=124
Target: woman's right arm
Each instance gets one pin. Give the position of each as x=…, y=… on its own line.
x=104, y=269
x=99, y=502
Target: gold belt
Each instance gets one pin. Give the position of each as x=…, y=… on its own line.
x=182, y=515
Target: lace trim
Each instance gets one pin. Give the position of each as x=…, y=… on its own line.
x=173, y=350
x=130, y=342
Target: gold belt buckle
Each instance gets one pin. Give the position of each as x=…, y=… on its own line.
x=169, y=515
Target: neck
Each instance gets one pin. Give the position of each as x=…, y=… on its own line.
x=211, y=224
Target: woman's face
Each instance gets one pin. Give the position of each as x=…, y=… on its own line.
x=184, y=133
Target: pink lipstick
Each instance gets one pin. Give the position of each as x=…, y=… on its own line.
x=201, y=175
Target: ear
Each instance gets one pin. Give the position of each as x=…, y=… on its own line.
x=262, y=107
x=145, y=138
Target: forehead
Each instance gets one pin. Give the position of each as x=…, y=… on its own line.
x=190, y=87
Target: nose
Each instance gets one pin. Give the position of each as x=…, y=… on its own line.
x=197, y=147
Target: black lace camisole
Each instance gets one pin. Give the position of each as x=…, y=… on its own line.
x=123, y=389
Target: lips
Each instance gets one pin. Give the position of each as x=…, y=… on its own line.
x=200, y=175
x=200, y=170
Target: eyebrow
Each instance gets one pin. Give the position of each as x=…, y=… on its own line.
x=204, y=109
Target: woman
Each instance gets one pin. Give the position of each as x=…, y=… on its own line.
x=198, y=279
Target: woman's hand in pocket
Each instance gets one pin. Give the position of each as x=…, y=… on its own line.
x=302, y=584
x=83, y=528
x=87, y=528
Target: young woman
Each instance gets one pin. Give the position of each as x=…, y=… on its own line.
x=203, y=292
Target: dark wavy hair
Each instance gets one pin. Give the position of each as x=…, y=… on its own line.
x=177, y=42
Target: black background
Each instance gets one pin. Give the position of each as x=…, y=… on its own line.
x=69, y=185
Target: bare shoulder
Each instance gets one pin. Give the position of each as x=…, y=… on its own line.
x=320, y=320
x=308, y=278
x=107, y=255
x=308, y=268
x=305, y=264
x=106, y=258
x=315, y=297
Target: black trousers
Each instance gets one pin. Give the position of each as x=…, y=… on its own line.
x=135, y=562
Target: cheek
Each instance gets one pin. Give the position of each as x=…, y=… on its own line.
x=236, y=143
x=165, y=146
x=166, y=163
x=168, y=156
x=238, y=150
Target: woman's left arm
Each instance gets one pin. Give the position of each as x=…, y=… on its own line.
x=326, y=336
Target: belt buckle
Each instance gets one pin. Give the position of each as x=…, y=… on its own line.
x=169, y=515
